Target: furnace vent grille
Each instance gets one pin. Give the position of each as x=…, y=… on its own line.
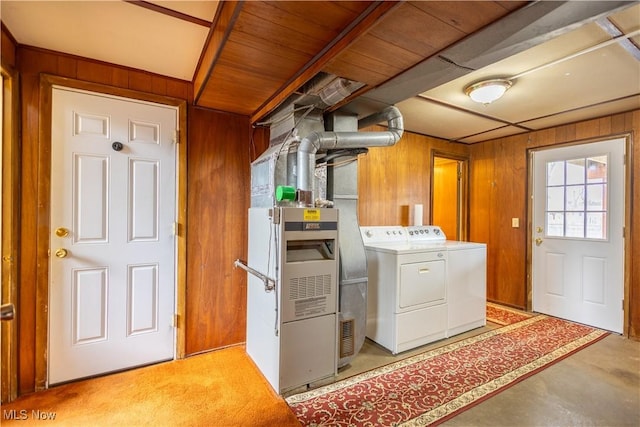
x=310, y=286
x=347, y=338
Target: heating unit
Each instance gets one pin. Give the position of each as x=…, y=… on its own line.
x=292, y=330
x=307, y=281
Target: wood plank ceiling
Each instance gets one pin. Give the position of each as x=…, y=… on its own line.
x=260, y=52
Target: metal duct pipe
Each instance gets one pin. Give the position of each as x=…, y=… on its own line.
x=317, y=141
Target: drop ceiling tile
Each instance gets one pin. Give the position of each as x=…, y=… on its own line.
x=608, y=73
x=493, y=134
x=122, y=37
x=554, y=49
x=620, y=106
x=627, y=20
x=433, y=119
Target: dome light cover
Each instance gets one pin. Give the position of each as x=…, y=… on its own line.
x=487, y=91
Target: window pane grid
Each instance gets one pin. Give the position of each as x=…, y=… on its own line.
x=576, y=205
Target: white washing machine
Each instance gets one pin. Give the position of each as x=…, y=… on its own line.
x=422, y=288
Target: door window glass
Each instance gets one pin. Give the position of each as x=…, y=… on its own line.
x=577, y=198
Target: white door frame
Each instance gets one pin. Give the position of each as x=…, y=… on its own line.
x=627, y=218
x=42, y=246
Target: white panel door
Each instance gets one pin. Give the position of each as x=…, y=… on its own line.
x=113, y=209
x=578, y=243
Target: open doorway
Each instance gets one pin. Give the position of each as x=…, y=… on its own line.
x=449, y=194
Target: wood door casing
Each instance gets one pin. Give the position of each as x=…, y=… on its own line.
x=36, y=231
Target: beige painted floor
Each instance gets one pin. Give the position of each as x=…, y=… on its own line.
x=598, y=386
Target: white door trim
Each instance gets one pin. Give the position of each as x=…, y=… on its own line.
x=43, y=198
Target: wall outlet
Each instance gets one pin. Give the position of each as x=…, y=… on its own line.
x=515, y=222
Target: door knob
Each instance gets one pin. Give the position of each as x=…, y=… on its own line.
x=62, y=232
x=538, y=241
x=61, y=253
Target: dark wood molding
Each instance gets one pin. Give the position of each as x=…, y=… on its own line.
x=169, y=12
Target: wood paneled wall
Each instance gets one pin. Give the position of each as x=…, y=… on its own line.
x=499, y=176
x=218, y=159
x=498, y=193
x=393, y=179
x=7, y=47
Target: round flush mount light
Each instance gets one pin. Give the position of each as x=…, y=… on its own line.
x=487, y=91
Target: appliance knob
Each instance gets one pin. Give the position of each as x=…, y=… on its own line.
x=368, y=233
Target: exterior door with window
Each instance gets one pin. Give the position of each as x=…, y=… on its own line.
x=577, y=242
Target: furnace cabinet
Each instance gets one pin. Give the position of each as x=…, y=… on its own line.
x=292, y=329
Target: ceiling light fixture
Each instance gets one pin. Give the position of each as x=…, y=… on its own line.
x=487, y=91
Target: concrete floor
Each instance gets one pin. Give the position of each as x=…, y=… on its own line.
x=597, y=386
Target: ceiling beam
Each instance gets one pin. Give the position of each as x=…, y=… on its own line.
x=169, y=12
x=225, y=19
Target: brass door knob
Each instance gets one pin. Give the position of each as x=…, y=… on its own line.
x=62, y=232
x=538, y=241
x=61, y=253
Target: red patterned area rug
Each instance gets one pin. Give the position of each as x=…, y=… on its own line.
x=431, y=387
x=504, y=315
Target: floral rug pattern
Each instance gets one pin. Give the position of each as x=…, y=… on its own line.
x=429, y=388
x=504, y=315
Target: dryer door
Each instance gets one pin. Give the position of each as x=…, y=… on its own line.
x=422, y=284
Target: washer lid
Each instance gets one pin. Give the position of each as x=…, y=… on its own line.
x=405, y=248
x=453, y=245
